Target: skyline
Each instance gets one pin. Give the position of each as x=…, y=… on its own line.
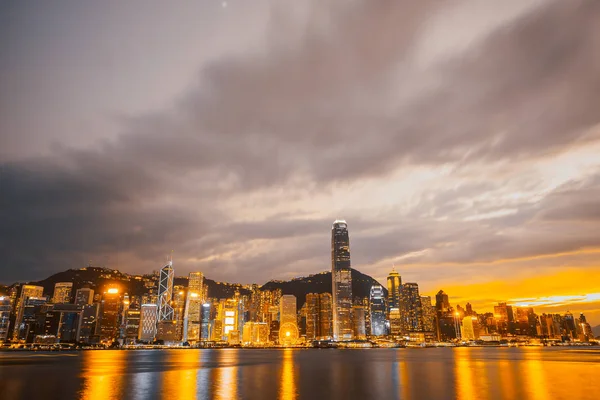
x=458, y=140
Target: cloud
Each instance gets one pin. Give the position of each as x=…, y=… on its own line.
x=370, y=111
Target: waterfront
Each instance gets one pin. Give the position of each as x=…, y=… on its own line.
x=442, y=373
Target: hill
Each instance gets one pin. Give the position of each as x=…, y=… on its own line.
x=596, y=330
x=99, y=279
x=320, y=283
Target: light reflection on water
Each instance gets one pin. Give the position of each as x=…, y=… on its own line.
x=459, y=373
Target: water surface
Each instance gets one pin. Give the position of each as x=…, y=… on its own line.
x=443, y=373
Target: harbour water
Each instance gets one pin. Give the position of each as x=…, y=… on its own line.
x=433, y=373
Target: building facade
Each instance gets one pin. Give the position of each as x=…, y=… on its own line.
x=341, y=278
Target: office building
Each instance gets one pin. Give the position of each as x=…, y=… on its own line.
x=377, y=310
x=62, y=292
x=341, y=278
x=165, y=293
x=394, y=284
x=27, y=291
x=132, y=323
x=89, y=326
x=84, y=296
x=358, y=322
x=410, y=308
x=471, y=329
x=428, y=314
x=110, y=315
x=5, y=310
x=148, y=320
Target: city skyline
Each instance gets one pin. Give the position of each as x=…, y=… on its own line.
x=460, y=141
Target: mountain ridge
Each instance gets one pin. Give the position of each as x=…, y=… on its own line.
x=99, y=278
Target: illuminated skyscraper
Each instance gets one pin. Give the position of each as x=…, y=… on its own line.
x=325, y=316
x=394, y=284
x=62, y=292
x=148, y=316
x=377, y=309
x=110, y=315
x=428, y=314
x=26, y=292
x=84, y=296
x=165, y=293
x=358, y=322
x=470, y=328
x=288, y=325
x=132, y=323
x=193, y=310
x=411, y=310
x=341, y=279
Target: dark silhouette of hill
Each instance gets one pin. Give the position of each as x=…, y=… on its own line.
x=100, y=279
x=321, y=283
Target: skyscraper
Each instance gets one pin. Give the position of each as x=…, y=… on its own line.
x=394, y=284
x=358, y=322
x=411, y=310
x=110, y=315
x=193, y=309
x=377, y=309
x=62, y=292
x=165, y=293
x=148, y=315
x=341, y=279
x=5, y=309
x=428, y=314
x=325, y=316
x=27, y=291
x=288, y=325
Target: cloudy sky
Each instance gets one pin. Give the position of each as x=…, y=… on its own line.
x=459, y=139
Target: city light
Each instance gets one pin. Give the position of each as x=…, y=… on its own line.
x=112, y=291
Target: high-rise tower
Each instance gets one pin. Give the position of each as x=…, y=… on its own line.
x=165, y=293
x=378, y=310
x=341, y=279
x=394, y=283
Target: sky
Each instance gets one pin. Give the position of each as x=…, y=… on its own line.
x=460, y=140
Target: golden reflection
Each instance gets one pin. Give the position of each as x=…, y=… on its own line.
x=287, y=389
x=225, y=383
x=535, y=376
x=463, y=372
x=404, y=379
x=507, y=382
x=180, y=382
x=103, y=374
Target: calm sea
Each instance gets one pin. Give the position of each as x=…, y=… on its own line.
x=443, y=373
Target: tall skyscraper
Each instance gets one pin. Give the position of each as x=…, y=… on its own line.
x=165, y=293
x=394, y=284
x=341, y=279
x=132, y=323
x=428, y=314
x=148, y=316
x=377, y=309
x=62, y=292
x=84, y=296
x=288, y=321
x=411, y=310
x=325, y=317
x=193, y=310
x=110, y=315
x=27, y=291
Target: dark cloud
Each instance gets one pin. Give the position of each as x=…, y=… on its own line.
x=342, y=101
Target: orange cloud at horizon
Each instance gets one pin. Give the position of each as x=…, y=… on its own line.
x=575, y=290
